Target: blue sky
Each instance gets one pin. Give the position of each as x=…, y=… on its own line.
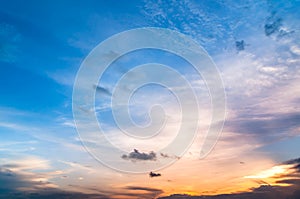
x=254, y=44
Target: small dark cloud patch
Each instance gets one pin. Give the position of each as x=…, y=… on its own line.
x=148, y=192
x=297, y=167
x=139, y=156
x=273, y=26
x=240, y=45
x=58, y=194
x=152, y=174
x=111, y=55
x=293, y=178
x=295, y=162
x=261, y=182
x=143, y=189
x=164, y=155
x=102, y=90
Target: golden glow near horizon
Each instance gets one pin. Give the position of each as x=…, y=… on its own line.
x=273, y=172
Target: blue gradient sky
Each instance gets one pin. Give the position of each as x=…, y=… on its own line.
x=43, y=43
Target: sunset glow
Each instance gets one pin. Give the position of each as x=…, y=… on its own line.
x=150, y=99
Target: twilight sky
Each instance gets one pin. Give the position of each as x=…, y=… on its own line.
x=256, y=48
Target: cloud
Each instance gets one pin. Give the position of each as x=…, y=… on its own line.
x=165, y=155
x=240, y=45
x=289, y=181
x=293, y=161
x=272, y=26
x=130, y=192
x=102, y=91
x=30, y=185
x=10, y=181
x=148, y=191
x=267, y=127
x=293, y=177
x=152, y=174
x=144, y=189
x=136, y=155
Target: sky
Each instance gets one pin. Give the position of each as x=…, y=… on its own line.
x=153, y=110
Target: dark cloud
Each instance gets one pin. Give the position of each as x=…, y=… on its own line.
x=289, y=181
x=164, y=155
x=272, y=27
x=261, y=182
x=148, y=192
x=136, y=155
x=240, y=45
x=58, y=194
x=102, y=91
x=129, y=192
x=270, y=126
x=152, y=174
x=8, y=166
x=111, y=55
x=273, y=24
x=143, y=189
x=293, y=177
x=11, y=183
x=293, y=161
x=145, y=195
